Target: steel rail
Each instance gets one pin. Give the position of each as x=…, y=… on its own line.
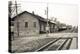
x=48, y=44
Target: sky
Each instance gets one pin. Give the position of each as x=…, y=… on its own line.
x=65, y=11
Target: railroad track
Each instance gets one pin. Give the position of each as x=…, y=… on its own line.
x=57, y=44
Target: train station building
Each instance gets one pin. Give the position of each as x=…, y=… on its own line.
x=27, y=23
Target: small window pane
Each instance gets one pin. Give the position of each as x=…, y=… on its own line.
x=26, y=24
x=12, y=24
x=34, y=24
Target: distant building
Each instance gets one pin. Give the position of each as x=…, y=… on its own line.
x=30, y=24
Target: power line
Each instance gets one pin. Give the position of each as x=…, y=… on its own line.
x=13, y=9
x=38, y=2
x=59, y=3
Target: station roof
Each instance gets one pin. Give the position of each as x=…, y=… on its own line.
x=36, y=16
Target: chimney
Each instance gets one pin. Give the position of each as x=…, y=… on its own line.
x=32, y=12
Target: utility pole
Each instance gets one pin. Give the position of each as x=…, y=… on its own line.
x=9, y=16
x=17, y=17
x=9, y=8
x=47, y=27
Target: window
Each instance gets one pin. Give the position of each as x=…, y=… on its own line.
x=34, y=24
x=26, y=24
x=42, y=27
x=12, y=24
x=12, y=33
